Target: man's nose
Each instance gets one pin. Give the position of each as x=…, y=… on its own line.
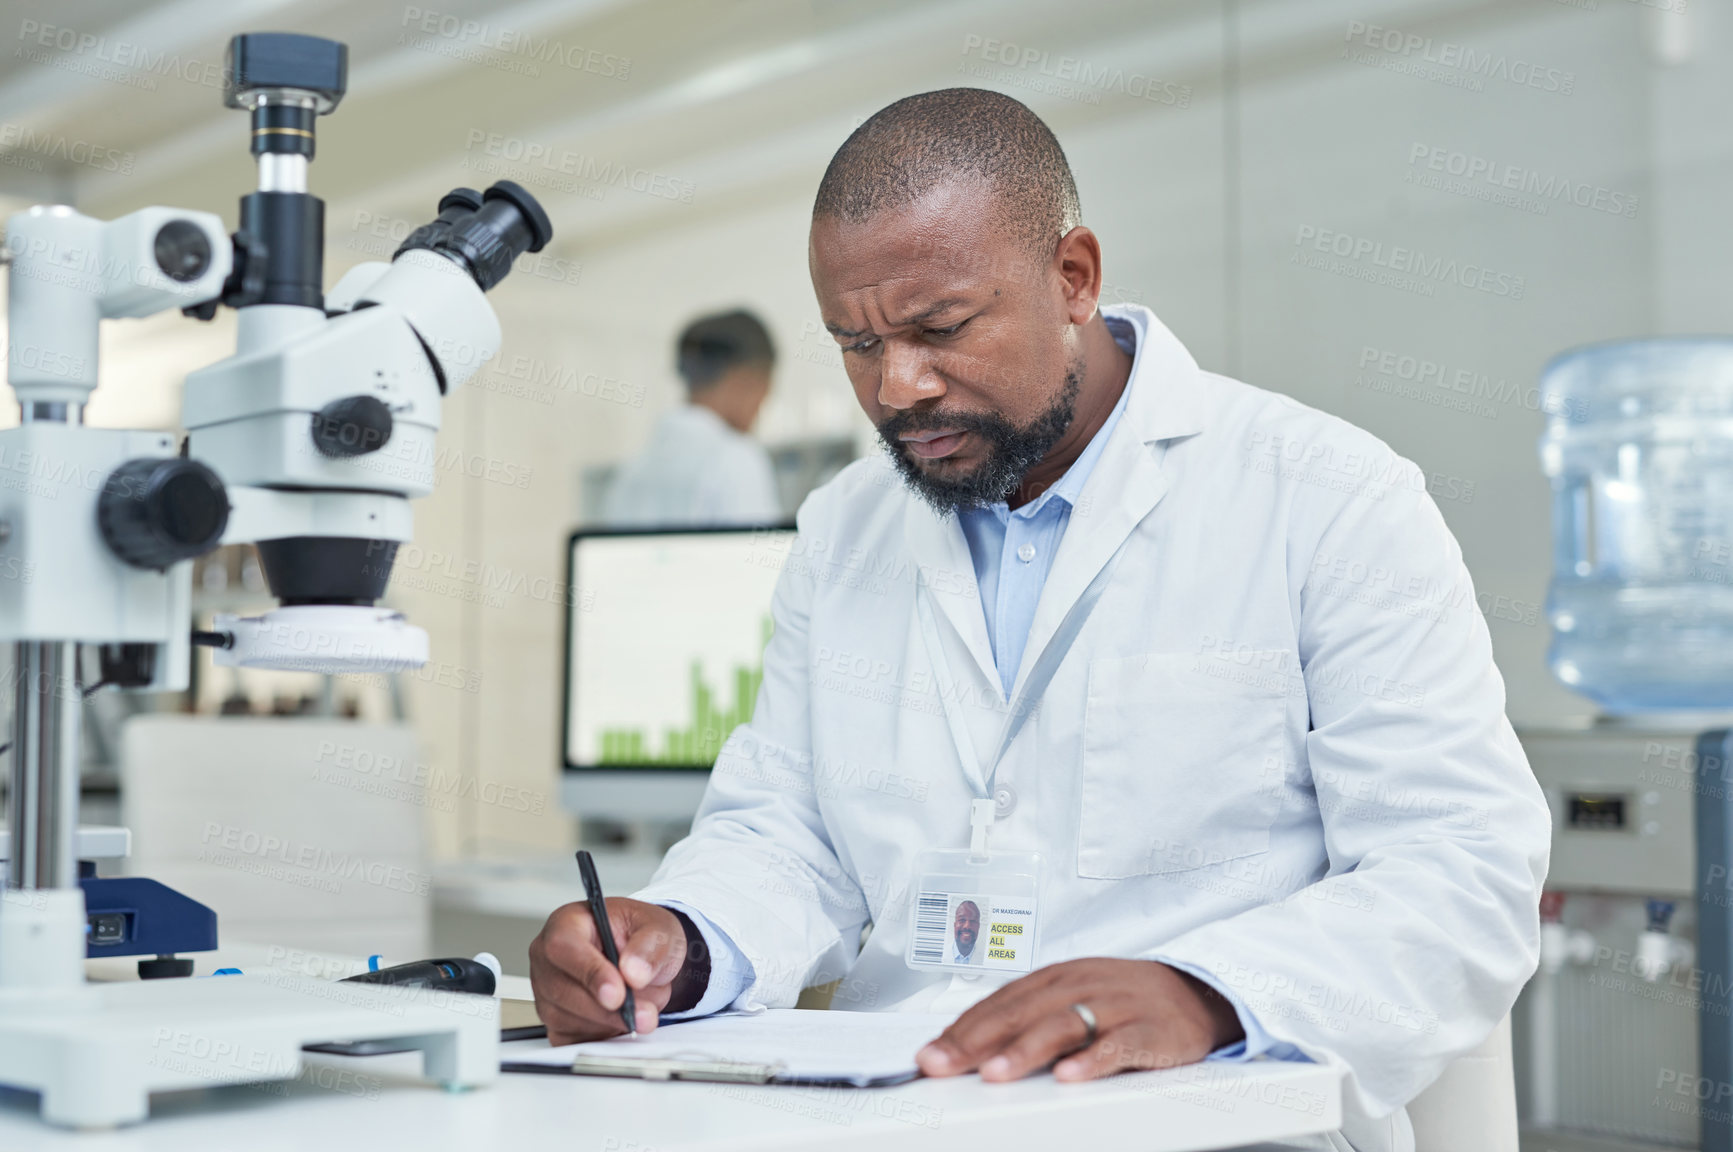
x=906, y=376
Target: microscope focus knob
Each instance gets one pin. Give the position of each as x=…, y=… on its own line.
x=158, y=511
x=352, y=426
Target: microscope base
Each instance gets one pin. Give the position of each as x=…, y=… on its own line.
x=96, y=1062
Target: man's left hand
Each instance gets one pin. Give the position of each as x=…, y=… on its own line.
x=1147, y=1014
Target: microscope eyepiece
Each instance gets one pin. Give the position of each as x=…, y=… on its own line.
x=455, y=206
x=537, y=229
x=504, y=223
x=458, y=203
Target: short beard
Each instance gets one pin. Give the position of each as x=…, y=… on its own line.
x=1010, y=451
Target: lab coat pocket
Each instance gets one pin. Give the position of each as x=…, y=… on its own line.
x=1177, y=760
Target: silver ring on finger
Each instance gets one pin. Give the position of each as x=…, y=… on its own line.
x=1089, y=1022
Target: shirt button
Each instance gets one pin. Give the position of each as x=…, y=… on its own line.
x=1026, y=553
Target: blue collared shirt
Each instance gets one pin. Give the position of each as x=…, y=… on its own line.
x=1012, y=552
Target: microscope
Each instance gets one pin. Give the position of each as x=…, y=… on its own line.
x=309, y=442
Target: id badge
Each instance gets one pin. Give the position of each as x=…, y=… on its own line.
x=973, y=914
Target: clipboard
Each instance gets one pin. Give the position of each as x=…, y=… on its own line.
x=787, y=1046
x=703, y=1069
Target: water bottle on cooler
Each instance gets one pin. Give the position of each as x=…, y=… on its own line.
x=1639, y=448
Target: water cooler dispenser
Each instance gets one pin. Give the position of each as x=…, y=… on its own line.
x=1625, y=1033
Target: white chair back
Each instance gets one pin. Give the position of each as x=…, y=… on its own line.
x=1472, y=1107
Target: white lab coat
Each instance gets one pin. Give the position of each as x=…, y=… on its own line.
x=695, y=471
x=1276, y=751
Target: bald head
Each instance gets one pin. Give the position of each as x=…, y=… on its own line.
x=907, y=149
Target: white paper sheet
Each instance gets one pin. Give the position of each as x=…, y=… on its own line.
x=856, y=1047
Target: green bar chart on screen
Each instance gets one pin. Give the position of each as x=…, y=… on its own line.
x=700, y=739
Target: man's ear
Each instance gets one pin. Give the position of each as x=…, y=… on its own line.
x=1077, y=260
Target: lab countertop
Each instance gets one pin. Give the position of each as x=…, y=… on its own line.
x=380, y=1102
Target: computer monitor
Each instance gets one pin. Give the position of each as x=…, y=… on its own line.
x=665, y=635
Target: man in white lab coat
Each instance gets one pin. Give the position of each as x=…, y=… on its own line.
x=1279, y=808
x=702, y=466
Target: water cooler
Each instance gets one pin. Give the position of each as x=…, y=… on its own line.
x=1625, y=1033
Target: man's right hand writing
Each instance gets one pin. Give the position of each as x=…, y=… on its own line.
x=578, y=993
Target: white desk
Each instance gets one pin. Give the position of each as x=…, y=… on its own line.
x=375, y=1104
x=378, y=1104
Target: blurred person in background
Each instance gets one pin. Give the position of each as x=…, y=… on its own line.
x=702, y=465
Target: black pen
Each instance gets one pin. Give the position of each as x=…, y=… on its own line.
x=599, y=913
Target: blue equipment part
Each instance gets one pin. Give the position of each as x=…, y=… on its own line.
x=136, y=916
x=1715, y=925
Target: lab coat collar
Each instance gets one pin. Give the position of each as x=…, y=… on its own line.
x=1166, y=403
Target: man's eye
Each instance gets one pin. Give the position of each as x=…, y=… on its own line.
x=951, y=331
x=866, y=345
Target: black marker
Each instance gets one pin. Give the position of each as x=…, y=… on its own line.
x=453, y=975
x=599, y=913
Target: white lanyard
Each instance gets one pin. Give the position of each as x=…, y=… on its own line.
x=981, y=810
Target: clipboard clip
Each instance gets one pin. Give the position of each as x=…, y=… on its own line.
x=645, y=1068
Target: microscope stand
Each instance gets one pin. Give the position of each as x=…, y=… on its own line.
x=96, y=1052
